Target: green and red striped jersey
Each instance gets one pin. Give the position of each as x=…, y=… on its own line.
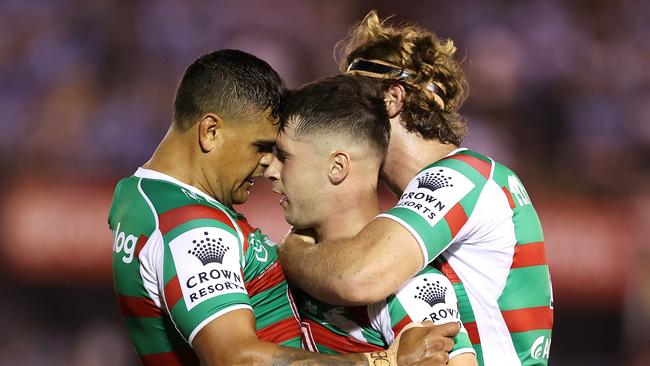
x=338, y=329
x=475, y=217
x=181, y=259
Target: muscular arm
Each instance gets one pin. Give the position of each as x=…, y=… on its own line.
x=231, y=340
x=354, y=271
x=239, y=345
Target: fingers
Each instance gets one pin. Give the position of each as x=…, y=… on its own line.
x=447, y=330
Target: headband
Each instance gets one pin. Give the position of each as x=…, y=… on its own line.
x=384, y=70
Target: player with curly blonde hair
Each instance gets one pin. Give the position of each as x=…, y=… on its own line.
x=458, y=209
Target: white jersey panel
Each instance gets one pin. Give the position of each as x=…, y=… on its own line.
x=487, y=237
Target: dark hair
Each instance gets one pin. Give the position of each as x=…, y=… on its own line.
x=343, y=105
x=432, y=59
x=227, y=82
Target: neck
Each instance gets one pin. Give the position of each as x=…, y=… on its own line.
x=408, y=154
x=176, y=158
x=352, y=213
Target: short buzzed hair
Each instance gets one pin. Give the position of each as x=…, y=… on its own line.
x=227, y=82
x=349, y=106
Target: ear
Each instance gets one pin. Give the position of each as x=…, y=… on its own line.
x=394, y=98
x=210, y=128
x=339, y=168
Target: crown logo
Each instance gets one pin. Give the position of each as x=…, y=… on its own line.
x=208, y=250
x=433, y=181
x=431, y=293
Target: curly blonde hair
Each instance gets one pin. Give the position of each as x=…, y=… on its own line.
x=431, y=58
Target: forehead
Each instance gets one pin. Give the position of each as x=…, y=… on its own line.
x=261, y=126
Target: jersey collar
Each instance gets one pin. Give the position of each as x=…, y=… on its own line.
x=152, y=174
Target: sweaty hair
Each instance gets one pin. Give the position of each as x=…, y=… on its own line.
x=432, y=60
x=227, y=82
x=345, y=106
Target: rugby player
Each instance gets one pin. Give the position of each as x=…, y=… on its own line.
x=332, y=142
x=457, y=208
x=195, y=282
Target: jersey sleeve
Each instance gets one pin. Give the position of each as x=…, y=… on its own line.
x=203, y=276
x=435, y=204
x=428, y=296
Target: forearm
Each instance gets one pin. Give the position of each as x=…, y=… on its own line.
x=354, y=271
x=323, y=270
x=264, y=353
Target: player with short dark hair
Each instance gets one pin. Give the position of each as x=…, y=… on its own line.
x=333, y=139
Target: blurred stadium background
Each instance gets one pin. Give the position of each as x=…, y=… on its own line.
x=560, y=91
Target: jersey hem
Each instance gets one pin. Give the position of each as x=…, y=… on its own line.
x=461, y=351
x=213, y=317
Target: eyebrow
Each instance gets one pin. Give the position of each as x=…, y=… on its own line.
x=264, y=143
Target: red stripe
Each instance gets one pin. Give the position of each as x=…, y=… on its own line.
x=173, y=292
x=472, y=332
x=401, y=324
x=511, y=202
x=281, y=331
x=138, y=307
x=446, y=270
x=456, y=218
x=524, y=320
x=531, y=254
x=140, y=244
x=481, y=166
x=170, y=359
x=339, y=343
x=181, y=215
x=270, y=277
x=246, y=230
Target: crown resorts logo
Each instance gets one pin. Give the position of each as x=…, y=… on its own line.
x=431, y=293
x=433, y=181
x=208, y=250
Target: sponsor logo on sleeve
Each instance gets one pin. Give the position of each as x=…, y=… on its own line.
x=207, y=264
x=434, y=192
x=124, y=243
x=541, y=348
x=430, y=297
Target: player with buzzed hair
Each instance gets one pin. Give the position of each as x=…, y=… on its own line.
x=458, y=209
x=329, y=152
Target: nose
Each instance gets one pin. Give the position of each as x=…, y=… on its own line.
x=273, y=167
x=266, y=159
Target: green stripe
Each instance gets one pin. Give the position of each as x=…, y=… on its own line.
x=293, y=343
x=270, y=306
x=526, y=287
x=187, y=321
x=325, y=350
x=153, y=335
x=523, y=342
x=435, y=238
x=479, y=354
x=461, y=341
x=468, y=202
x=528, y=228
x=464, y=306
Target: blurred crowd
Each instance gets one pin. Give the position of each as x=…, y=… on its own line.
x=559, y=90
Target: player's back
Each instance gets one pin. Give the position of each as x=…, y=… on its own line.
x=474, y=218
x=181, y=259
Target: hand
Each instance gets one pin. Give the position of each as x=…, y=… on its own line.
x=426, y=344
